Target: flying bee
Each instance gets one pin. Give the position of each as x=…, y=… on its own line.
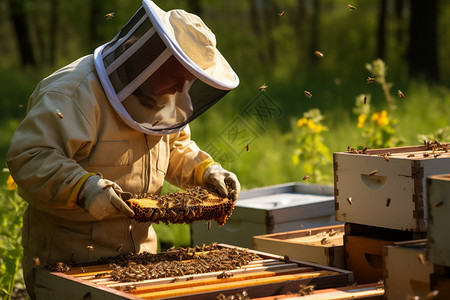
x=349, y=200
x=247, y=147
x=90, y=247
x=59, y=114
x=307, y=94
x=370, y=79
x=263, y=87
x=374, y=172
x=82, y=270
x=155, y=123
x=440, y=203
x=130, y=227
x=119, y=247
x=305, y=177
x=37, y=261
x=400, y=94
x=351, y=7
x=110, y=15
x=365, y=100
x=208, y=224
x=282, y=14
x=388, y=202
x=318, y=54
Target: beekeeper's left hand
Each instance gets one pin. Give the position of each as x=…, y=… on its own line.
x=220, y=178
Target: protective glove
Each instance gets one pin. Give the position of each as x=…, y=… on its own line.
x=99, y=197
x=220, y=178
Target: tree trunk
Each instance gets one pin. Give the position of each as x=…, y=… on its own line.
x=381, y=33
x=54, y=21
x=18, y=14
x=423, y=54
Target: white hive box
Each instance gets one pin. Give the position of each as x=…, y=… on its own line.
x=387, y=191
x=272, y=209
x=438, y=222
x=322, y=245
x=407, y=272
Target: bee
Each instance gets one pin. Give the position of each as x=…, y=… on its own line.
x=82, y=270
x=365, y=100
x=439, y=204
x=426, y=154
x=208, y=224
x=386, y=156
x=90, y=247
x=307, y=94
x=324, y=241
x=332, y=232
x=411, y=155
x=20, y=105
x=432, y=295
x=374, y=172
x=380, y=284
x=37, y=261
x=110, y=15
x=388, y=202
x=286, y=258
x=370, y=79
x=263, y=87
x=421, y=258
x=305, y=177
x=155, y=123
x=349, y=200
x=119, y=247
x=400, y=94
x=318, y=54
x=59, y=114
x=130, y=227
x=351, y=7
x=247, y=147
x=282, y=14
x=365, y=149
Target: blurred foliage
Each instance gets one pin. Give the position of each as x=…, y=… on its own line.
x=12, y=208
x=311, y=149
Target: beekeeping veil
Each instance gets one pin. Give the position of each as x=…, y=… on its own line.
x=150, y=40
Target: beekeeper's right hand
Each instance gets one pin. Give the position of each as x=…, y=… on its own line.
x=99, y=197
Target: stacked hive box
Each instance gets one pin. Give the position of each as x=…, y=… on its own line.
x=438, y=251
x=381, y=196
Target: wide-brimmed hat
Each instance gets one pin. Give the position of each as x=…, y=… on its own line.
x=194, y=44
x=144, y=45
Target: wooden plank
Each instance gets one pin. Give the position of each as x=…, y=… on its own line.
x=364, y=291
x=230, y=285
x=198, y=276
x=209, y=281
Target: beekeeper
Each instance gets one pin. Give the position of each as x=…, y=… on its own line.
x=116, y=121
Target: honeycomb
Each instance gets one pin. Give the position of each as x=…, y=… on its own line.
x=195, y=204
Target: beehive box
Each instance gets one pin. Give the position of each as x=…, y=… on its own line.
x=270, y=275
x=387, y=187
x=271, y=209
x=439, y=216
x=363, y=246
x=323, y=245
x=406, y=270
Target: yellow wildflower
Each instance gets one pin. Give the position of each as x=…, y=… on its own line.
x=11, y=185
x=361, y=119
x=375, y=117
x=302, y=122
x=383, y=120
x=311, y=124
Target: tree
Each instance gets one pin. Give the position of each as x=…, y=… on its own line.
x=422, y=56
x=18, y=15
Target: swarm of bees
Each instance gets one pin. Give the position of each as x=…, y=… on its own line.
x=134, y=267
x=196, y=204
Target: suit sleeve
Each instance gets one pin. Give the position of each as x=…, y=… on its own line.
x=45, y=148
x=187, y=162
